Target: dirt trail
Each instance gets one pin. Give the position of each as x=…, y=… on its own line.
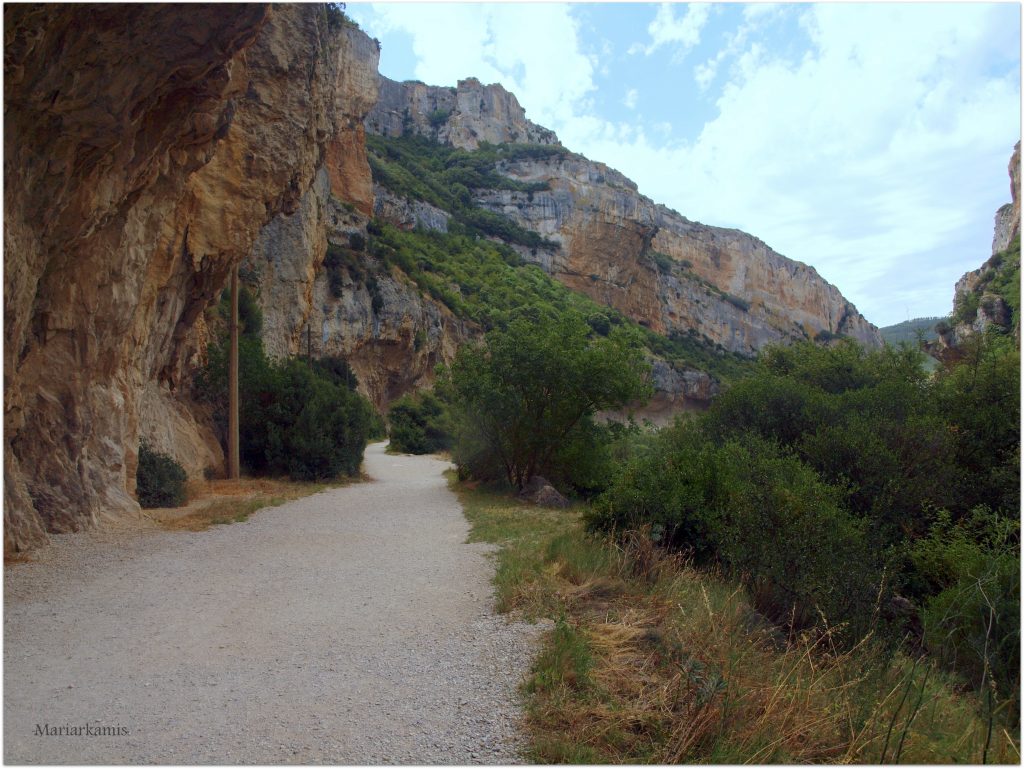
x=353, y=626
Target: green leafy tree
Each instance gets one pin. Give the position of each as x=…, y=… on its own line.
x=419, y=424
x=530, y=392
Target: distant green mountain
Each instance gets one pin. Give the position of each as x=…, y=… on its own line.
x=907, y=331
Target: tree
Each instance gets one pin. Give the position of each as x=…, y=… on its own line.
x=419, y=424
x=530, y=392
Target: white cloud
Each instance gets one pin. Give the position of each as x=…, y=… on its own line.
x=705, y=73
x=632, y=95
x=683, y=33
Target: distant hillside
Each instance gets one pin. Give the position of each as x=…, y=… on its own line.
x=908, y=330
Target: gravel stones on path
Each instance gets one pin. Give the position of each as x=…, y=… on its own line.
x=354, y=626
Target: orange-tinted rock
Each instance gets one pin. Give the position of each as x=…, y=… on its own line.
x=145, y=148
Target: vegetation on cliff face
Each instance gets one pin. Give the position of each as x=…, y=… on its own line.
x=999, y=277
x=474, y=277
x=487, y=282
x=417, y=168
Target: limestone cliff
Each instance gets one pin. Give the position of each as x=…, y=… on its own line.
x=1007, y=223
x=145, y=149
x=462, y=116
x=391, y=335
x=989, y=295
x=619, y=247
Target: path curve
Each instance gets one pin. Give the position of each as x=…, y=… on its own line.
x=352, y=626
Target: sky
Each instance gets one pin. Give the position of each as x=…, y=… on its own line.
x=868, y=140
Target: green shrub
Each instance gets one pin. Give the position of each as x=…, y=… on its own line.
x=159, y=480
x=327, y=437
x=663, y=262
x=418, y=168
x=419, y=424
x=298, y=419
x=335, y=369
x=759, y=512
x=972, y=620
x=528, y=395
x=437, y=118
x=250, y=316
x=737, y=301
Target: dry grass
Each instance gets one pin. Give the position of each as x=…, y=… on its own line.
x=230, y=501
x=14, y=558
x=652, y=661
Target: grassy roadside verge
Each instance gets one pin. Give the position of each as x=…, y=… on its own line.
x=651, y=661
x=213, y=503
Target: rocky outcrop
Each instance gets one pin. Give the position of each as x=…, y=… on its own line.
x=975, y=307
x=462, y=116
x=408, y=214
x=391, y=334
x=620, y=248
x=145, y=149
x=1008, y=217
x=665, y=271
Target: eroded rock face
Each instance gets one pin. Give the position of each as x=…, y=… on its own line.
x=407, y=214
x=668, y=273
x=137, y=171
x=1008, y=217
x=620, y=248
x=991, y=308
x=462, y=116
x=391, y=335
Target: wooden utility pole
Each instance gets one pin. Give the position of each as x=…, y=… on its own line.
x=233, y=464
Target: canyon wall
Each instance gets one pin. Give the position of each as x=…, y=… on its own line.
x=980, y=299
x=391, y=335
x=145, y=149
x=619, y=247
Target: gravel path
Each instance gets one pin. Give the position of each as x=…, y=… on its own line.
x=353, y=626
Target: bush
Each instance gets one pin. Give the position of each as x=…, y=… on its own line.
x=159, y=480
x=737, y=301
x=419, y=424
x=327, y=437
x=527, y=396
x=972, y=620
x=662, y=261
x=298, y=419
x=759, y=512
x=250, y=316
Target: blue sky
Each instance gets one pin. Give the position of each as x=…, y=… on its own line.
x=868, y=140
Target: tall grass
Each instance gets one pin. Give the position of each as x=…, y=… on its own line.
x=653, y=661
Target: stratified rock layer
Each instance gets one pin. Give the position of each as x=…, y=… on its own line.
x=137, y=172
x=462, y=116
x=619, y=247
